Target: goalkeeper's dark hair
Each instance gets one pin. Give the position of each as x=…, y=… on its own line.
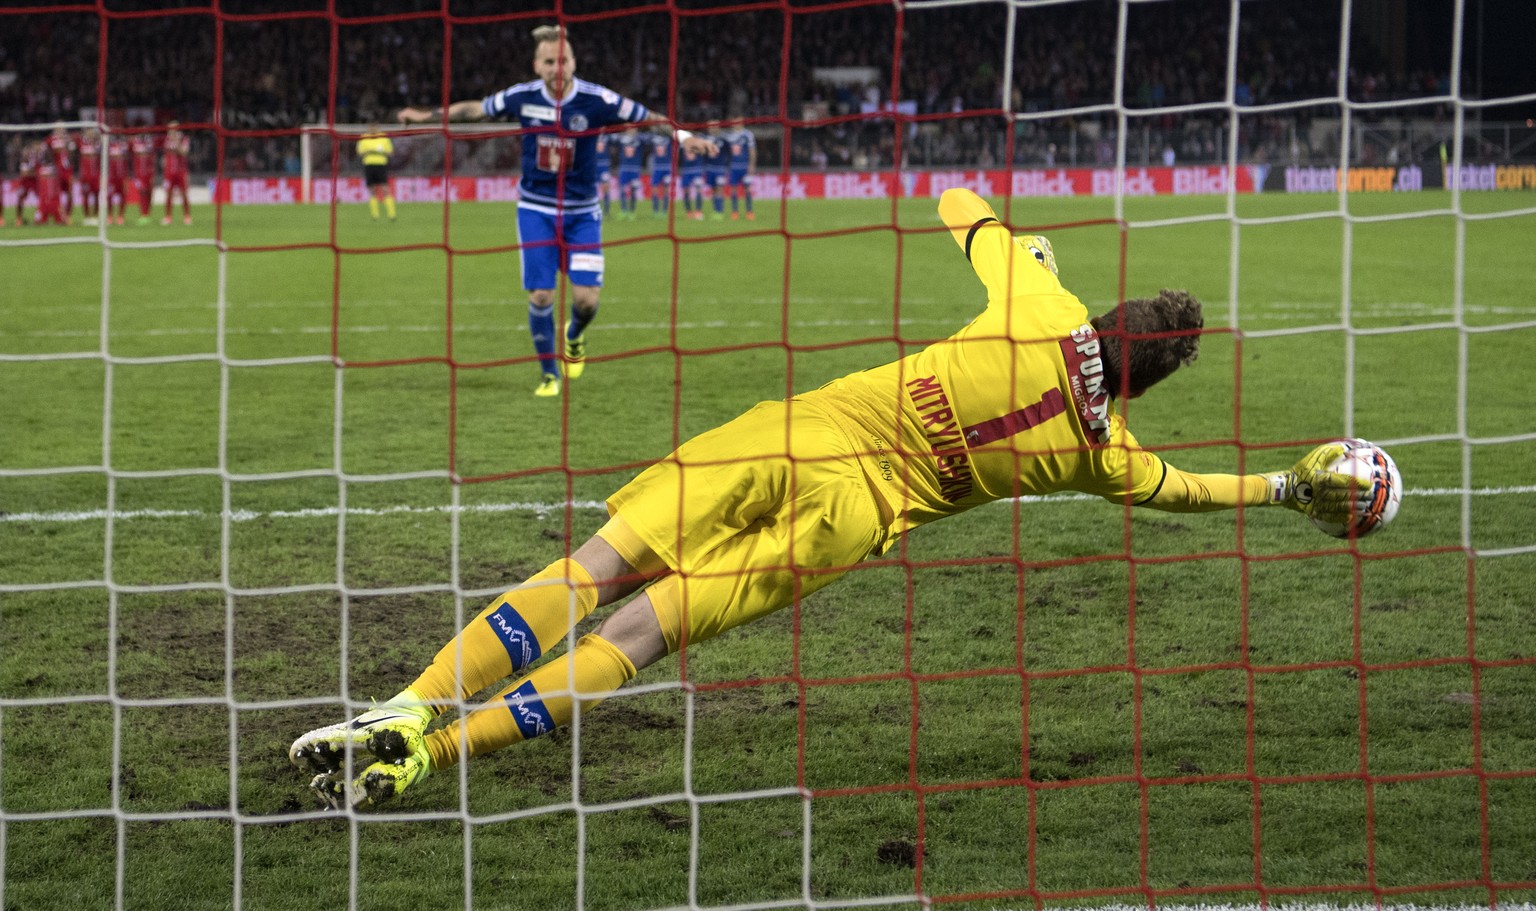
x=1143, y=341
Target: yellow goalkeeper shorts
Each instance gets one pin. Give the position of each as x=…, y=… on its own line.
x=751, y=516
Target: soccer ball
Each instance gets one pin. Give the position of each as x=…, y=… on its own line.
x=1371, y=465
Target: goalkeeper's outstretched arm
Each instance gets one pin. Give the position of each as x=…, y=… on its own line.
x=1307, y=487
x=1001, y=260
x=1184, y=491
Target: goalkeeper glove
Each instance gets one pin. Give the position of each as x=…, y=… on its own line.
x=1317, y=492
x=1037, y=246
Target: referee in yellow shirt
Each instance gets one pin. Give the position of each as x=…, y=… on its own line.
x=375, y=150
x=748, y=518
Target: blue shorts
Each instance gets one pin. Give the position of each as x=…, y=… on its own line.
x=581, y=243
x=715, y=177
x=660, y=177
x=627, y=176
x=739, y=177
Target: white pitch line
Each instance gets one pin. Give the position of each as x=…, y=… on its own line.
x=511, y=303
x=1275, y=311
x=541, y=509
x=733, y=302
x=328, y=512
x=1377, y=308
x=510, y=326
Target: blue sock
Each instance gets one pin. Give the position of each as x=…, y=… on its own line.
x=541, y=325
x=579, y=322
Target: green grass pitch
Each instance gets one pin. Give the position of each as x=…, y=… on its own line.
x=1269, y=711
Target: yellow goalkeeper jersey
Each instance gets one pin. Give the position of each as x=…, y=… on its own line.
x=1012, y=404
x=375, y=148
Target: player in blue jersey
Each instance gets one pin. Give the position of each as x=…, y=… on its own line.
x=631, y=168
x=661, y=175
x=604, y=172
x=690, y=176
x=717, y=166
x=559, y=221
x=740, y=146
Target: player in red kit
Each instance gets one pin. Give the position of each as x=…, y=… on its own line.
x=49, y=192
x=90, y=175
x=61, y=147
x=174, y=160
x=26, y=182
x=143, y=149
x=118, y=153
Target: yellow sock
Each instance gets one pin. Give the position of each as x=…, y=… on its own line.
x=520, y=712
x=373, y=206
x=389, y=206
x=511, y=633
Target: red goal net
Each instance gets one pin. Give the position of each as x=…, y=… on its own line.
x=272, y=442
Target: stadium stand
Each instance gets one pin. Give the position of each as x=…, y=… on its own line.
x=275, y=74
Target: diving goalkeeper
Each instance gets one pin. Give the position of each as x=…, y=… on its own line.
x=772, y=506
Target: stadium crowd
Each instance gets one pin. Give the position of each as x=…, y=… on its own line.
x=273, y=75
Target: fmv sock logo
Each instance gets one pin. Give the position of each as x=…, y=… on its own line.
x=528, y=710
x=521, y=645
